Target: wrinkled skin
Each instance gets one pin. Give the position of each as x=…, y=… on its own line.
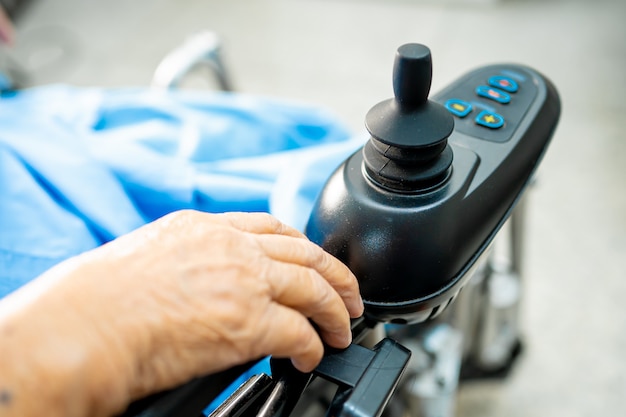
x=190, y=294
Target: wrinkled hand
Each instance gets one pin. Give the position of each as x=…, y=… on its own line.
x=236, y=287
x=195, y=293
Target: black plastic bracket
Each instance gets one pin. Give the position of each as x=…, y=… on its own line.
x=366, y=378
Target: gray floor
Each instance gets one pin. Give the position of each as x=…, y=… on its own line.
x=339, y=54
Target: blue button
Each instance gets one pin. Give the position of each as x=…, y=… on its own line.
x=493, y=94
x=504, y=83
x=490, y=119
x=458, y=107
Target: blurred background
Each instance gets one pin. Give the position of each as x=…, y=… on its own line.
x=339, y=54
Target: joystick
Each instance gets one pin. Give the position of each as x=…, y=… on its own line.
x=408, y=150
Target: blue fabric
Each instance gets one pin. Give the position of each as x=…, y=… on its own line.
x=79, y=167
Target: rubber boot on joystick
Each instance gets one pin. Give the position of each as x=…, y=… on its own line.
x=408, y=150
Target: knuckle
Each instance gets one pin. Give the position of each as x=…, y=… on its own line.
x=184, y=215
x=319, y=259
x=182, y=218
x=254, y=221
x=273, y=223
x=349, y=283
x=325, y=295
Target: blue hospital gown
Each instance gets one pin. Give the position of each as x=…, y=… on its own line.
x=79, y=167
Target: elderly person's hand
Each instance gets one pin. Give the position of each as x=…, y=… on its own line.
x=190, y=294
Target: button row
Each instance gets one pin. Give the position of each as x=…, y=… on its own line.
x=499, y=90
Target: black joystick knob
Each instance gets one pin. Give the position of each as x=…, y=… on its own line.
x=412, y=74
x=408, y=150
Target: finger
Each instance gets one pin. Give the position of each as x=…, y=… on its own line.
x=304, y=290
x=290, y=335
x=259, y=223
x=305, y=253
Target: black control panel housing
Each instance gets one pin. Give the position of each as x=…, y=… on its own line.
x=411, y=250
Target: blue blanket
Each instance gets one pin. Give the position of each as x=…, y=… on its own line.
x=79, y=167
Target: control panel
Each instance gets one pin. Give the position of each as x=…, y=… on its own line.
x=413, y=211
x=490, y=103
